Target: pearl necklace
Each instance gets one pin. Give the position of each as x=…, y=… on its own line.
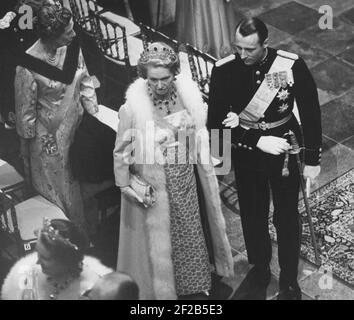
x=51, y=59
x=164, y=104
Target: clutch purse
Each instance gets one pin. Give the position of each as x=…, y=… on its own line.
x=144, y=190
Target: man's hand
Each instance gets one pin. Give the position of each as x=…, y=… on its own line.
x=131, y=194
x=232, y=120
x=273, y=145
x=311, y=172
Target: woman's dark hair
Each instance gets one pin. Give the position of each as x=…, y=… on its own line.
x=52, y=20
x=250, y=26
x=68, y=247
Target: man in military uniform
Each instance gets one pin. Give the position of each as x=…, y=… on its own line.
x=253, y=93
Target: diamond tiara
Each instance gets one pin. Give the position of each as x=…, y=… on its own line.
x=158, y=51
x=54, y=235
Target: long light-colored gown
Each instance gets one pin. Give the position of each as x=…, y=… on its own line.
x=189, y=250
x=49, y=126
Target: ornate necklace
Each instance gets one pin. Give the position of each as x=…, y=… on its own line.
x=59, y=286
x=164, y=104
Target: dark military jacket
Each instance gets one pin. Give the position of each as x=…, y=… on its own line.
x=233, y=85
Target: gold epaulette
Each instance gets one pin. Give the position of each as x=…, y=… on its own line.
x=287, y=54
x=227, y=59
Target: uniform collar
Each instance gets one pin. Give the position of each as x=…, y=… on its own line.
x=265, y=59
x=269, y=58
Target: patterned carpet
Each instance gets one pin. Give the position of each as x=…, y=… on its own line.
x=332, y=209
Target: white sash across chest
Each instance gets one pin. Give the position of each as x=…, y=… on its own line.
x=265, y=94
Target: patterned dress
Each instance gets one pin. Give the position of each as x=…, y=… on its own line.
x=48, y=125
x=189, y=251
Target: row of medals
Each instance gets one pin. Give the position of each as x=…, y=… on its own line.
x=279, y=79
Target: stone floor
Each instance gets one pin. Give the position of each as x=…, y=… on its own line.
x=329, y=54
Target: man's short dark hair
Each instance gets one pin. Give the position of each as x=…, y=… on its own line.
x=115, y=286
x=250, y=26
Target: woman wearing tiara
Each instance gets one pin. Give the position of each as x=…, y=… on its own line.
x=171, y=240
x=58, y=270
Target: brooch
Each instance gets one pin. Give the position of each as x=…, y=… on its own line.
x=49, y=144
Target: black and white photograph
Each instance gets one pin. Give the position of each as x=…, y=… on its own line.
x=176, y=150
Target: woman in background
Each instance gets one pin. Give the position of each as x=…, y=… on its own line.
x=15, y=42
x=49, y=111
x=58, y=270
